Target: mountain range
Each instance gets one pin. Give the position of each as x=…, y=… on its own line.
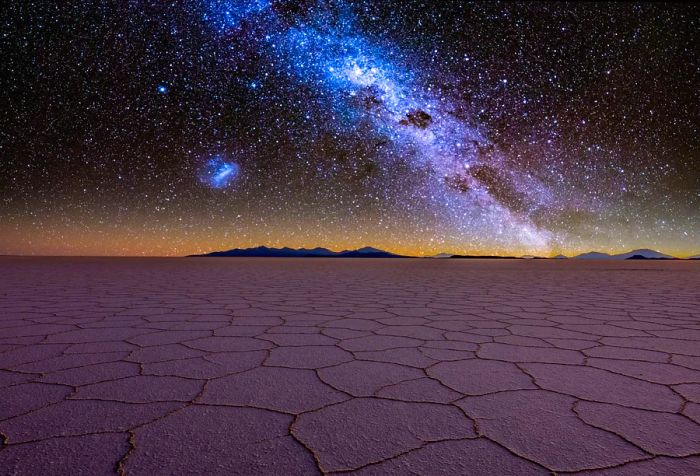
x=639, y=254
x=634, y=254
x=369, y=252
x=265, y=252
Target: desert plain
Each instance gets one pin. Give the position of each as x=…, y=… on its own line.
x=362, y=366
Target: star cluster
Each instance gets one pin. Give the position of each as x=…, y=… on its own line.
x=513, y=128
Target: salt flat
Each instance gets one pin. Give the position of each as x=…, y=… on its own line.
x=301, y=366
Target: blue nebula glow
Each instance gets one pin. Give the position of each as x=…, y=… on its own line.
x=162, y=89
x=218, y=173
x=226, y=14
x=343, y=62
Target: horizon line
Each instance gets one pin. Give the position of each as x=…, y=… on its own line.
x=204, y=254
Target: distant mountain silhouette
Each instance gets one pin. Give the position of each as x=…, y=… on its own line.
x=441, y=256
x=635, y=254
x=593, y=255
x=265, y=252
x=646, y=253
x=694, y=257
x=367, y=252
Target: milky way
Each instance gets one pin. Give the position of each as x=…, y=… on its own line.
x=487, y=128
x=465, y=175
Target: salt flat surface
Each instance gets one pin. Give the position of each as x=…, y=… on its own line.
x=301, y=366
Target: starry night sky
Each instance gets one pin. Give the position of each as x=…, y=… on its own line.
x=169, y=128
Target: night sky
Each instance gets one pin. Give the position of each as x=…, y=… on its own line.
x=169, y=128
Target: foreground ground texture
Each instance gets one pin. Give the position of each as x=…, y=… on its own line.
x=301, y=366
